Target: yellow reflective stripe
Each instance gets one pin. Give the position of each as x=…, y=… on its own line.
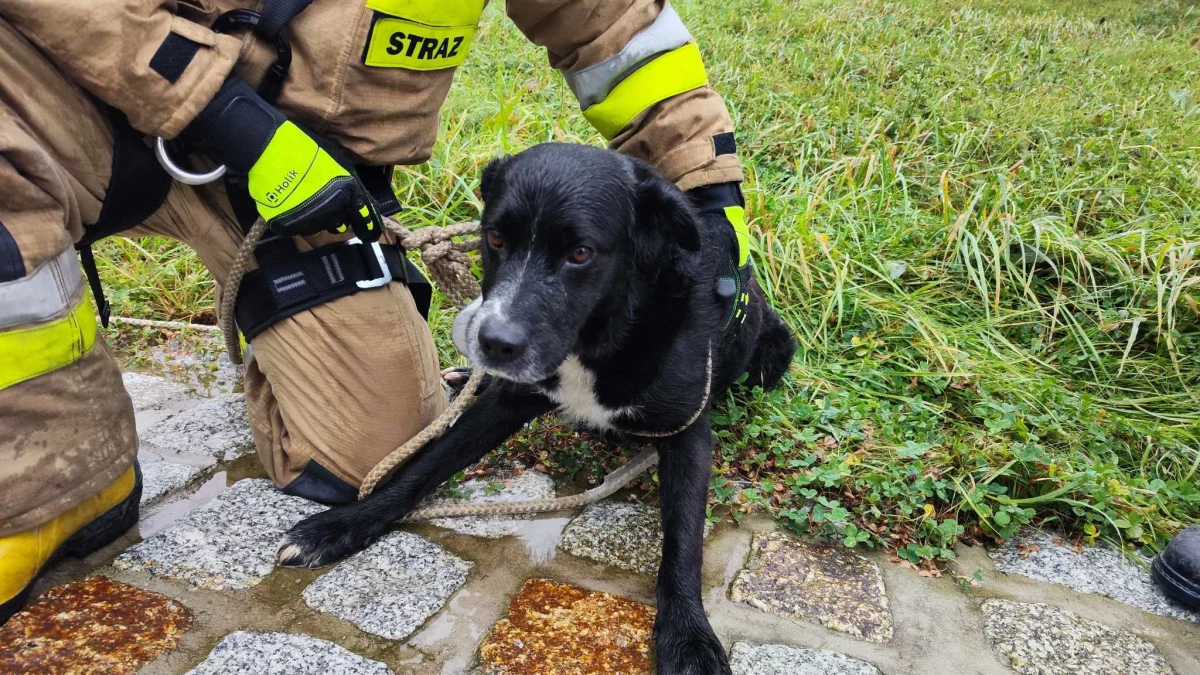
x=291, y=170
x=592, y=84
x=737, y=216
x=668, y=75
x=26, y=353
x=399, y=43
x=432, y=12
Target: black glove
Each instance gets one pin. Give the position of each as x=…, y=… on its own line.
x=298, y=186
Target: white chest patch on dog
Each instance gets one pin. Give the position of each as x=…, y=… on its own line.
x=576, y=397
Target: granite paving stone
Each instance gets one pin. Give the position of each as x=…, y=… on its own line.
x=529, y=485
x=284, y=654
x=628, y=536
x=829, y=584
x=391, y=588
x=92, y=626
x=155, y=398
x=228, y=543
x=1038, y=639
x=1102, y=570
x=554, y=628
x=218, y=428
x=753, y=659
x=160, y=478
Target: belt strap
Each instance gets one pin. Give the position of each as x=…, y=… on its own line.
x=296, y=283
x=278, y=13
x=137, y=188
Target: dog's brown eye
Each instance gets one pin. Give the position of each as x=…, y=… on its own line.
x=494, y=239
x=581, y=255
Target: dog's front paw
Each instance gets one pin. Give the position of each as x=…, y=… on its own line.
x=693, y=650
x=323, y=539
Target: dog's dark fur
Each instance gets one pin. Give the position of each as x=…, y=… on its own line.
x=617, y=344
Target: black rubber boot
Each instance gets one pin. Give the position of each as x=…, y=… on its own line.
x=1177, y=568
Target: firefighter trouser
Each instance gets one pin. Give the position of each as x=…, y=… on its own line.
x=342, y=384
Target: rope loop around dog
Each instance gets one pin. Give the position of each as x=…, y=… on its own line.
x=450, y=266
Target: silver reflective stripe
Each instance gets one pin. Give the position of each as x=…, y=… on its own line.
x=44, y=295
x=591, y=85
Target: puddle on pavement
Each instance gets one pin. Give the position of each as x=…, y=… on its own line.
x=541, y=538
x=726, y=533
x=456, y=621
x=245, y=467
x=168, y=512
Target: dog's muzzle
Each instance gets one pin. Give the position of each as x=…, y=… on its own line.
x=465, y=329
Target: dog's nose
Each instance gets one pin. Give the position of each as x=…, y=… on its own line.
x=502, y=341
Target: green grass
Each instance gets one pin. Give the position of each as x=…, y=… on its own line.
x=981, y=220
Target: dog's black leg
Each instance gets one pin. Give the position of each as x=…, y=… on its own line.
x=773, y=352
x=498, y=413
x=684, y=640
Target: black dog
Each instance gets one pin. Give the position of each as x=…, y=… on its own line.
x=599, y=301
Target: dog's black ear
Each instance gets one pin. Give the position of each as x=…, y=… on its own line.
x=664, y=210
x=491, y=183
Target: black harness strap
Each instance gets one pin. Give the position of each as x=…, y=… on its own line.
x=278, y=13
x=378, y=182
x=12, y=265
x=295, y=283
x=289, y=282
x=137, y=188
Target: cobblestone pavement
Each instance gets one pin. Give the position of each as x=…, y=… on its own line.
x=194, y=589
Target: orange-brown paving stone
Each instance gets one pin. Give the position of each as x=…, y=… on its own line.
x=559, y=629
x=93, y=626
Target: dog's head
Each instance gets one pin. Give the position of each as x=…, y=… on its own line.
x=569, y=231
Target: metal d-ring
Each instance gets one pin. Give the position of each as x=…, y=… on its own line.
x=179, y=173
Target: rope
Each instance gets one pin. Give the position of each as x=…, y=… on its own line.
x=445, y=258
x=229, y=294
x=169, y=325
x=612, y=482
x=450, y=267
x=436, y=428
x=695, y=416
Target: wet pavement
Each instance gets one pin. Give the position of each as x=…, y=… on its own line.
x=560, y=593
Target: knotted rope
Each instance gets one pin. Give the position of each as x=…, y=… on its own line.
x=450, y=267
x=446, y=259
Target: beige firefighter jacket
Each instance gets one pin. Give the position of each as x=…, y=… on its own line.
x=371, y=75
